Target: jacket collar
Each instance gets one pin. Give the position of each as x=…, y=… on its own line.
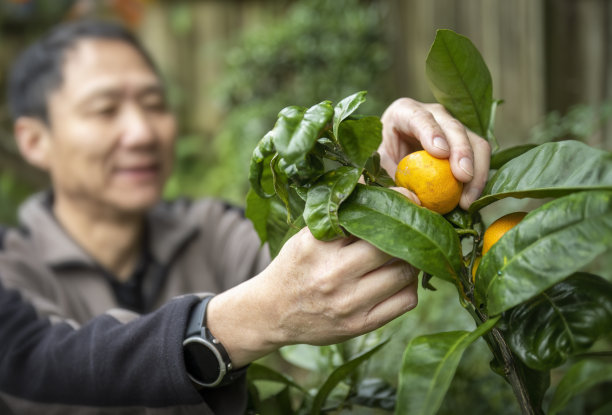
x=168, y=232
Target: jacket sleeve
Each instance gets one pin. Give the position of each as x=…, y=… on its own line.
x=103, y=363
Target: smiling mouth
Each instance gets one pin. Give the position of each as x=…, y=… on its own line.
x=139, y=172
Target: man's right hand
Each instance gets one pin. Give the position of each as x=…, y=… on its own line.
x=313, y=292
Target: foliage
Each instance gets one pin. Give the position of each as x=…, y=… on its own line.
x=531, y=302
x=12, y=193
x=580, y=122
x=275, y=65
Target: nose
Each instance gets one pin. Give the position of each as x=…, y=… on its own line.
x=137, y=128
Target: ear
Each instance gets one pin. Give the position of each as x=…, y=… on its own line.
x=33, y=140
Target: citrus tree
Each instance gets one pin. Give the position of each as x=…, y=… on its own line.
x=531, y=297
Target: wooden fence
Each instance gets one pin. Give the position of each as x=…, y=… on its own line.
x=543, y=55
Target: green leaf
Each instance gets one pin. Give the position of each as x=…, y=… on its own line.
x=269, y=398
x=269, y=217
x=339, y=374
x=536, y=382
x=375, y=172
x=499, y=158
x=549, y=244
x=360, y=138
x=579, y=378
x=460, y=80
x=297, y=130
x=561, y=322
x=374, y=393
x=460, y=218
x=550, y=170
x=257, y=372
x=428, y=367
x=324, y=199
x=260, y=159
x=346, y=107
x=395, y=225
x=257, y=211
x=303, y=171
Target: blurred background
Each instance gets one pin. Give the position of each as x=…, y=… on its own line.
x=231, y=65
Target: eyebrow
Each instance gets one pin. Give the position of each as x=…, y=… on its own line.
x=114, y=92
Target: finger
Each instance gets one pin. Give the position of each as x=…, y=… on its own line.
x=392, y=307
x=382, y=283
x=482, y=159
x=409, y=194
x=361, y=257
x=461, y=154
x=413, y=127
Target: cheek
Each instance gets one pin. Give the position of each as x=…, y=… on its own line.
x=167, y=134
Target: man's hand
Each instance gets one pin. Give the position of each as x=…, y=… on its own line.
x=409, y=126
x=313, y=292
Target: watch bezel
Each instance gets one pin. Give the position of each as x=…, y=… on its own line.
x=221, y=362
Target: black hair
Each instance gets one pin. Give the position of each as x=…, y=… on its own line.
x=38, y=71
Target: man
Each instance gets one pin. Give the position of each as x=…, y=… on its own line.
x=90, y=109
x=96, y=365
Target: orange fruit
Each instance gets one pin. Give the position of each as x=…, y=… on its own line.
x=498, y=228
x=431, y=179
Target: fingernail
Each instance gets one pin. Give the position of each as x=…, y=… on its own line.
x=466, y=165
x=440, y=143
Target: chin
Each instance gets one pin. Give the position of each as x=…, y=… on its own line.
x=138, y=203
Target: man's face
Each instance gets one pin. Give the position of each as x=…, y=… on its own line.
x=111, y=135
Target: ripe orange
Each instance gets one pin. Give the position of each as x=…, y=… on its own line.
x=498, y=228
x=431, y=179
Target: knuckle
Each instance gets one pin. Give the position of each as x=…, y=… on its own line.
x=437, y=107
x=484, y=145
x=455, y=125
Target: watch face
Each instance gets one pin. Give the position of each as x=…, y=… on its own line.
x=201, y=362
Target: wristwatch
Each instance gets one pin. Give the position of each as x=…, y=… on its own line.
x=207, y=362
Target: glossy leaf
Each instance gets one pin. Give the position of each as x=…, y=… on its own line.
x=549, y=244
x=346, y=107
x=260, y=161
x=459, y=217
x=339, y=374
x=324, y=199
x=360, y=138
x=460, y=80
x=428, y=367
x=563, y=321
x=269, y=217
x=499, y=158
x=376, y=173
x=297, y=130
x=303, y=171
x=391, y=222
x=550, y=170
x=578, y=379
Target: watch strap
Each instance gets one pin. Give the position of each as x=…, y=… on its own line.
x=196, y=327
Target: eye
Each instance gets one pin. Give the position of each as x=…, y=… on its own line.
x=155, y=103
x=107, y=111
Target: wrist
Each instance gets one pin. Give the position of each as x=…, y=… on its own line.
x=206, y=360
x=243, y=321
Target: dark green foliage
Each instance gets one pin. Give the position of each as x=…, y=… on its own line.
x=530, y=302
x=320, y=50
